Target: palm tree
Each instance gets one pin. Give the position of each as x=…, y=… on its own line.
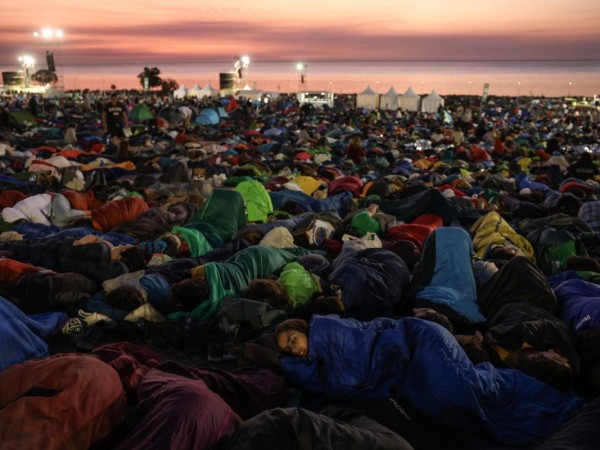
x=153, y=76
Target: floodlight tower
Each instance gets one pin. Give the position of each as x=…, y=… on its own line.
x=302, y=69
x=27, y=63
x=53, y=36
x=240, y=64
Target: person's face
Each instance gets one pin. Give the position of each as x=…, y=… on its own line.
x=552, y=356
x=420, y=312
x=294, y=342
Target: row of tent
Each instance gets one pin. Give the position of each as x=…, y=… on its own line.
x=195, y=91
x=392, y=101
x=367, y=99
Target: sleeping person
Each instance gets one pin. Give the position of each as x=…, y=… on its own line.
x=344, y=360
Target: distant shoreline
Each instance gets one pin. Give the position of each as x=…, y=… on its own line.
x=531, y=78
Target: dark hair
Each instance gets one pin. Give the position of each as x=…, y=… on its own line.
x=584, y=263
x=268, y=291
x=135, y=258
x=319, y=305
x=501, y=253
x=252, y=235
x=587, y=343
x=586, y=157
x=173, y=244
x=548, y=371
x=125, y=297
x=292, y=324
x=186, y=295
x=439, y=318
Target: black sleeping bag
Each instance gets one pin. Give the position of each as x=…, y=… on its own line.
x=372, y=282
x=296, y=428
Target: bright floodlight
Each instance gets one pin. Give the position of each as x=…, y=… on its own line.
x=49, y=33
x=27, y=61
x=245, y=60
x=299, y=66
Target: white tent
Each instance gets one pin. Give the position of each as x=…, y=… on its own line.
x=367, y=99
x=194, y=91
x=431, y=102
x=208, y=91
x=389, y=100
x=180, y=92
x=409, y=101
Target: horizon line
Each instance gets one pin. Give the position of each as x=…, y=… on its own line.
x=179, y=61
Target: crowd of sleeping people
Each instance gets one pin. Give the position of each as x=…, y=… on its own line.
x=500, y=309
x=460, y=318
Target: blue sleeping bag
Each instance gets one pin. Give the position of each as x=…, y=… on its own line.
x=22, y=336
x=451, y=281
x=340, y=203
x=579, y=303
x=422, y=362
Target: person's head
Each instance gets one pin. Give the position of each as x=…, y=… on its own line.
x=549, y=367
x=433, y=316
x=186, y=295
x=583, y=263
x=126, y=297
x=114, y=98
x=586, y=157
x=321, y=305
x=135, y=258
x=251, y=235
x=268, y=291
x=173, y=244
x=587, y=342
x=502, y=253
x=292, y=337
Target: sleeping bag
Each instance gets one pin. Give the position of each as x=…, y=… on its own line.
x=422, y=362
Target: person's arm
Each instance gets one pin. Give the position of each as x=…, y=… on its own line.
x=466, y=340
x=92, y=239
x=125, y=119
x=103, y=119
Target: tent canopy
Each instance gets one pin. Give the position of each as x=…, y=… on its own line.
x=171, y=115
x=207, y=117
x=140, y=112
x=368, y=91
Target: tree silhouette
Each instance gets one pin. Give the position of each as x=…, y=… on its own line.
x=153, y=75
x=169, y=85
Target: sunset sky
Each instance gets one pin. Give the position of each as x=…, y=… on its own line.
x=160, y=31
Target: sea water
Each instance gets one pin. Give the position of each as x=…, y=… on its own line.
x=509, y=78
